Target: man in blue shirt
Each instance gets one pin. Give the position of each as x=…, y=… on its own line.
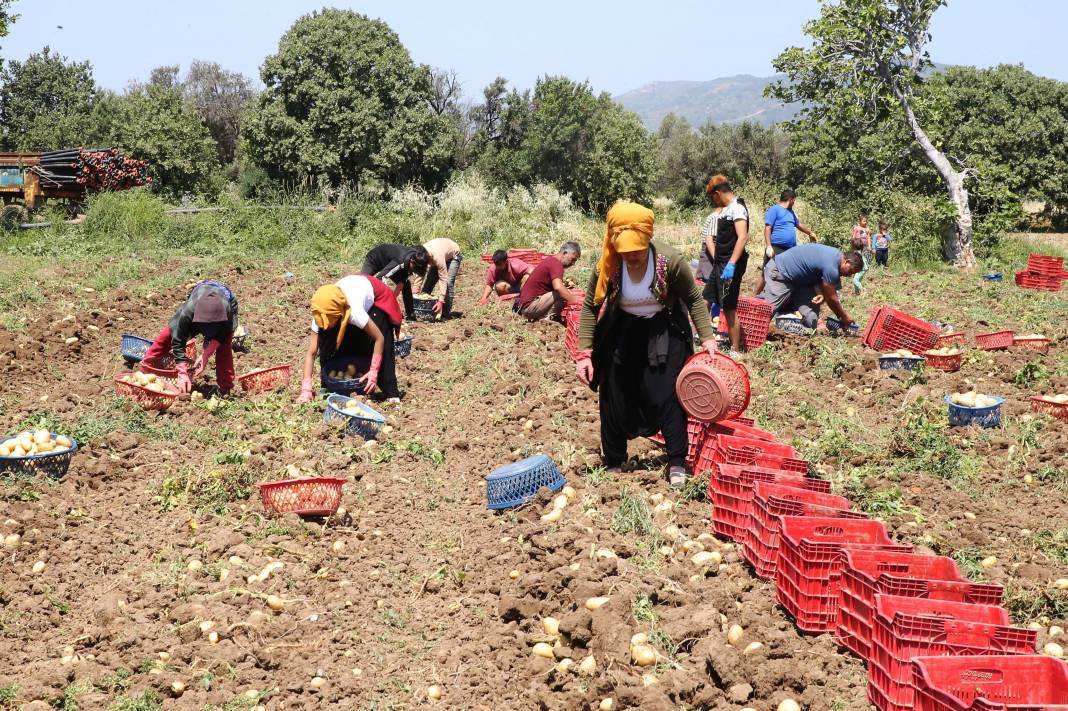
x=780, y=230
x=803, y=278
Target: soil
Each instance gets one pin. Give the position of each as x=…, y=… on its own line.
x=413, y=584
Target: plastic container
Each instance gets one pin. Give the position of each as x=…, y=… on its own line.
x=1039, y=281
x=240, y=343
x=945, y=363
x=54, y=465
x=754, y=317
x=572, y=315
x=1045, y=264
x=423, y=310
x=514, y=484
x=891, y=330
x=793, y=326
x=264, y=380
x=737, y=428
x=730, y=489
x=994, y=341
x=951, y=339
x=961, y=416
x=868, y=573
x=346, y=385
x=316, y=496
x=403, y=348
x=702, y=391
x=1039, y=345
x=147, y=399
x=834, y=326
x=889, y=362
x=1041, y=404
x=696, y=432
x=770, y=503
x=367, y=424
x=993, y=276
x=990, y=683
x=133, y=347
x=726, y=449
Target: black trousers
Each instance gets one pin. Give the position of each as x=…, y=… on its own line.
x=358, y=347
x=638, y=399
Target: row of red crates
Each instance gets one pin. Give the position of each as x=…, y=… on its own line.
x=1043, y=272
x=932, y=639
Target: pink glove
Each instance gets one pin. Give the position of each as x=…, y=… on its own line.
x=202, y=361
x=439, y=305
x=710, y=345
x=306, y=391
x=584, y=367
x=370, y=380
x=185, y=385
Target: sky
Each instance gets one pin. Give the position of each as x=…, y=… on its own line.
x=616, y=45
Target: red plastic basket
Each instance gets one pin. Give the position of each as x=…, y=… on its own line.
x=754, y=317
x=990, y=683
x=1040, y=281
x=867, y=573
x=809, y=574
x=950, y=339
x=316, y=496
x=1040, y=345
x=1058, y=410
x=265, y=379
x=737, y=428
x=147, y=399
x=730, y=489
x=771, y=502
x=745, y=451
x=695, y=435
x=945, y=363
x=713, y=387
x=572, y=315
x=1045, y=264
x=890, y=330
x=908, y=627
x=994, y=341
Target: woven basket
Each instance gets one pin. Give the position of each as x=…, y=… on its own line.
x=367, y=424
x=318, y=496
x=147, y=399
x=265, y=379
x=516, y=483
x=52, y=464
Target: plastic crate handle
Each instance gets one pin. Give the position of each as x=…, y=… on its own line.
x=950, y=591
x=829, y=531
x=968, y=634
x=887, y=567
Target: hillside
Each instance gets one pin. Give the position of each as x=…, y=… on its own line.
x=723, y=100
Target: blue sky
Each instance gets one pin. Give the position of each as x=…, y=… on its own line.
x=617, y=45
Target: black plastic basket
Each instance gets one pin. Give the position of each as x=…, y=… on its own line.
x=516, y=483
x=367, y=424
x=403, y=347
x=51, y=464
x=901, y=362
x=344, y=386
x=793, y=326
x=423, y=310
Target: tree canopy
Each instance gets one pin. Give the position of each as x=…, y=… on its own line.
x=46, y=102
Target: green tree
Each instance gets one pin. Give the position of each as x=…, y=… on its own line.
x=343, y=102
x=620, y=161
x=866, y=60
x=219, y=96
x=7, y=18
x=45, y=102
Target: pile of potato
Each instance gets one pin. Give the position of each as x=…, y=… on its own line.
x=1060, y=399
x=148, y=381
x=901, y=353
x=947, y=351
x=972, y=399
x=1031, y=336
x=347, y=374
x=354, y=408
x=37, y=442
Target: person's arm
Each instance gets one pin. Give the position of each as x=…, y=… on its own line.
x=808, y=231
x=563, y=292
x=307, y=390
x=409, y=300
x=181, y=326
x=485, y=294
x=587, y=326
x=767, y=237
x=443, y=278
x=830, y=297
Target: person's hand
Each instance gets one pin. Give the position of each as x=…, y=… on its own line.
x=813, y=237
x=306, y=391
x=202, y=361
x=185, y=385
x=728, y=271
x=370, y=379
x=817, y=299
x=584, y=367
x=484, y=300
x=439, y=305
x=710, y=345
x=769, y=252
x=847, y=327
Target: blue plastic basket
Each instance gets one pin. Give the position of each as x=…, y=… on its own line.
x=900, y=362
x=343, y=386
x=993, y=276
x=792, y=325
x=52, y=464
x=834, y=325
x=403, y=347
x=516, y=483
x=367, y=424
x=134, y=347
x=961, y=416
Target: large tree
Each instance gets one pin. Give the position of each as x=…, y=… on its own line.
x=343, y=102
x=866, y=60
x=45, y=102
x=219, y=96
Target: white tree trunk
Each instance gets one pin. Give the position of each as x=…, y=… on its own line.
x=957, y=244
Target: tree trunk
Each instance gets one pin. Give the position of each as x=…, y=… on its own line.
x=956, y=243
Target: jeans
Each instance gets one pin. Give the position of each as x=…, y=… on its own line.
x=882, y=256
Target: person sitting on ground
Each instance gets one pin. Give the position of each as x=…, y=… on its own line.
x=723, y=255
x=780, y=231
x=393, y=265
x=880, y=242
x=634, y=353
x=861, y=244
x=545, y=294
x=369, y=305
x=439, y=277
x=210, y=311
x=803, y=278
x=506, y=275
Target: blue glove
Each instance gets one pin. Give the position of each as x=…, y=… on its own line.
x=714, y=311
x=728, y=271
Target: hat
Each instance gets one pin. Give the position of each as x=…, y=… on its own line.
x=210, y=309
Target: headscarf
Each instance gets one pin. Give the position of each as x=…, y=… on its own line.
x=329, y=306
x=628, y=228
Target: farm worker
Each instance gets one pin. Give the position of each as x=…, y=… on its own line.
x=880, y=242
x=356, y=317
x=723, y=256
x=634, y=353
x=393, y=265
x=210, y=311
x=439, y=278
x=861, y=243
x=780, y=231
x=545, y=294
x=803, y=278
x=506, y=275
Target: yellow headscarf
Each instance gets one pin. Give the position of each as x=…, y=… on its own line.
x=629, y=228
x=329, y=305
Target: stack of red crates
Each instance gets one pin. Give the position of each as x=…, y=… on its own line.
x=754, y=317
x=730, y=489
x=890, y=330
x=1043, y=272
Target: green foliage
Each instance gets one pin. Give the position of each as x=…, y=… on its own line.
x=145, y=701
x=1030, y=374
x=212, y=490
x=219, y=97
x=46, y=102
x=633, y=515
x=8, y=694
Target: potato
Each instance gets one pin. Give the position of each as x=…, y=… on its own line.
x=63, y=441
x=1061, y=399
x=5, y=449
x=26, y=441
x=967, y=399
x=42, y=436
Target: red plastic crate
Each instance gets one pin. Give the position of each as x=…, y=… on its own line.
x=771, y=502
x=868, y=573
x=696, y=432
x=945, y=363
x=889, y=330
x=730, y=489
x=728, y=449
x=740, y=429
x=809, y=573
x=990, y=683
x=754, y=316
x=572, y=315
x=908, y=627
x=1058, y=410
x=994, y=341
x=1039, y=345
x=1040, y=281
x=1045, y=264
x=949, y=339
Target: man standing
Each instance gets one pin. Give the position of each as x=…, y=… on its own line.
x=440, y=278
x=803, y=278
x=393, y=265
x=780, y=231
x=505, y=276
x=545, y=292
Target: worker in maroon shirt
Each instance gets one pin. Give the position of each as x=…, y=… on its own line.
x=545, y=293
x=505, y=276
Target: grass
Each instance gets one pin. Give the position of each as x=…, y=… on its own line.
x=922, y=445
x=145, y=701
x=8, y=694
x=1030, y=374
x=1052, y=544
x=1027, y=605
x=969, y=561
x=211, y=490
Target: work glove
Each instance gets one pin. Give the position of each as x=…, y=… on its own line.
x=306, y=391
x=370, y=379
x=185, y=385
x=483, y=301
x=202, y=362
x=728, y=272
x=439, y=305
x=769, y=252
x=584, y=367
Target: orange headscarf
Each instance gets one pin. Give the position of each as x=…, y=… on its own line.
x=629, y=228
x=329, y=305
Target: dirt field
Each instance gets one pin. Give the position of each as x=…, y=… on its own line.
x=414, y=585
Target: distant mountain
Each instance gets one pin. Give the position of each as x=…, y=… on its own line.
x=724, y=100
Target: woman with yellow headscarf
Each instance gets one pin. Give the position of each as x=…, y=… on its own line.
x=634, y=352
x=354, y=321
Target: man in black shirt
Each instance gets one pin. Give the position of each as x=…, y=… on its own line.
x=393, y=264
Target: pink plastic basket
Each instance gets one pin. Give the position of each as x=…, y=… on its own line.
x=317, y=496
x=265, y=379
x=1058, y=410
x=1040, y=345
x=994, y=341
x=147, y=399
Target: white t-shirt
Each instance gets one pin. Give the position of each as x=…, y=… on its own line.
x=637, y=296
x=361, y=297
x=734, y=211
